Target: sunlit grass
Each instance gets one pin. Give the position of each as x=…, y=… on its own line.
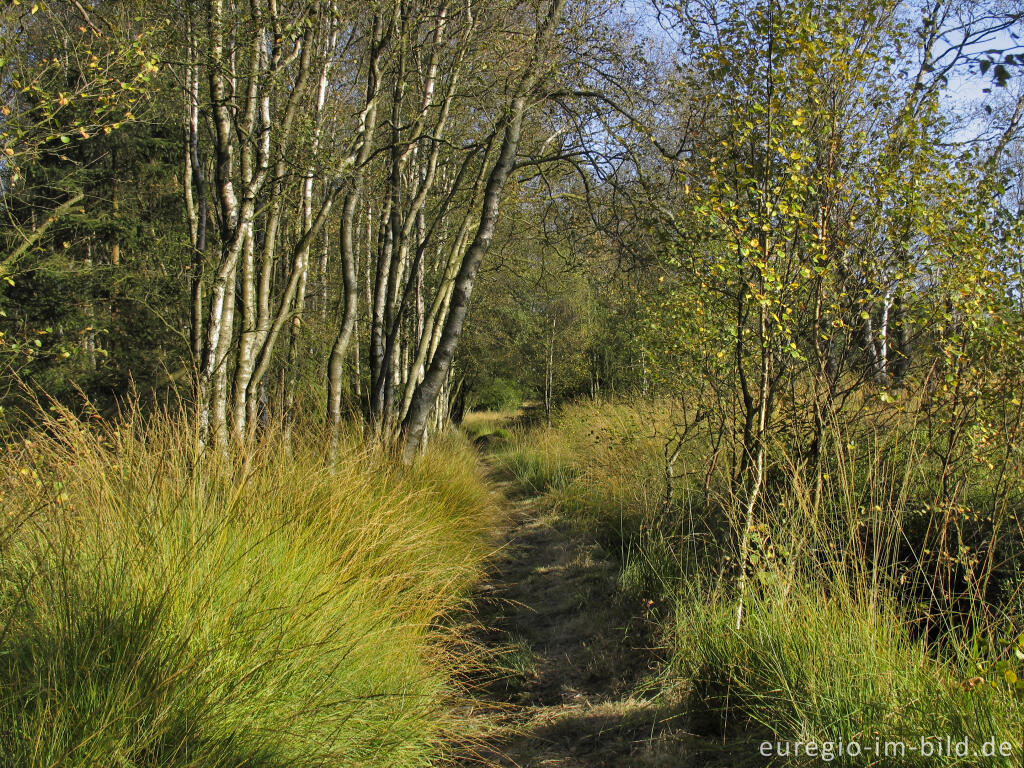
x=478, y=424
x=599, y=466
x=832, y=645
x=814, y=663
x=538, y=462
x=163, y=607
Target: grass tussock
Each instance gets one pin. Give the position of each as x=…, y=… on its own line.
x=477, y=425
x=538, y=464
x=163, y=607
x=599, y=466
x=843, y=636
x=817, y=665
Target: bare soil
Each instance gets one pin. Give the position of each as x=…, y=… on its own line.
x=573, y=662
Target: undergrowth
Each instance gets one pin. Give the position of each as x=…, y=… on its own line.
x=842, y=638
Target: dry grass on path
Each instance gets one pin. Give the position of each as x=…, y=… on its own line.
x=573, y=677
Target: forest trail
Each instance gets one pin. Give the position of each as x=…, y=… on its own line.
x=573, y=658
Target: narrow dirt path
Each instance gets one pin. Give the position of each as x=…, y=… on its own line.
x=573, y=657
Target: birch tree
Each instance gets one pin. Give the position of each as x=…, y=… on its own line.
x=444, y=93
x=264, y=71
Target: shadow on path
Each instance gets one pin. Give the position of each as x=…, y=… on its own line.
x=572, y=656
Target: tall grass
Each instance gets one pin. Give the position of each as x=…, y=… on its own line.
x=816, y=664
x=599, y=466
x=163, y=607
x=539, y=462
x=843, y=637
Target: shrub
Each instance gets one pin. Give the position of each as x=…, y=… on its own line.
x=497, y=394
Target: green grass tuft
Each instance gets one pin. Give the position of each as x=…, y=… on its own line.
x=162, y=607
x=814, y=665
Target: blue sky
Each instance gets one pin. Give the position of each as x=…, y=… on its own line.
x=965, y=95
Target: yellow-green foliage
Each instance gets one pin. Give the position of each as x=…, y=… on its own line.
x=166, y=608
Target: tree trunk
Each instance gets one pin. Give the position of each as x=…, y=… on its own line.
x=414, y=424
x=426, y=393
x=549, y=369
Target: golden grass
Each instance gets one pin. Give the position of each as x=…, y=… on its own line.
x=167, y=607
